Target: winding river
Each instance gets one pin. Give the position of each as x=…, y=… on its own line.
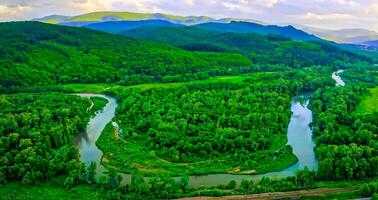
x=86, y=141
x=337, y=78
x=299, y=136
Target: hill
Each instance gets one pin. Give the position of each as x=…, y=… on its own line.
x=261, y=49
x=35, y=53
x=96, y=17
x=120, y=26
x=371, y=45
x=346, y=36
x=248, y=27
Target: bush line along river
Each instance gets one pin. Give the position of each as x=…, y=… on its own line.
x=299, y=136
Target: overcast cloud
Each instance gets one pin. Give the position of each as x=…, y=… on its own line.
x=331, y=14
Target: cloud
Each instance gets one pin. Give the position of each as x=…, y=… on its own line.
x=333, y=16
x=324, y=13
x=16, y=11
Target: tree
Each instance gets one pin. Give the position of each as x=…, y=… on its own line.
x=305, y=177
x=91, y=172
x=183, y=182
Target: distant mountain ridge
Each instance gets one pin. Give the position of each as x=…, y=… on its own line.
x=121, y=26
x=345, y=36
x=370, y=45
x=248, y=27
x=96, y=17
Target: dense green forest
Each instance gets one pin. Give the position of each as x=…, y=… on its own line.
x=347, y=143
x=34, y=53
x=36, y=135
x=262, y=50
x=41, y=54
x=220, y=124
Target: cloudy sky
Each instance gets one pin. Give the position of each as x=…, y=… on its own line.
x=331, y=14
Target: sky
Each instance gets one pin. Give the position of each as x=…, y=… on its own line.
x=328, y=14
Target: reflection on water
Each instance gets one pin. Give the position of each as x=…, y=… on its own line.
x=86, y=141
x=299, y=133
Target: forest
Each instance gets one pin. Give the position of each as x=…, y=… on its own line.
x=347, y=143
x=260, y=49
x=36, y=134
x=216, y=123
x=34, y=53
x=40, y=54
x=188, y=102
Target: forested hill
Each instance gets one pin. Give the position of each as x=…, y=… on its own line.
x=34, y=53
x=120, y=26
x=261, y=49
x=248, y=27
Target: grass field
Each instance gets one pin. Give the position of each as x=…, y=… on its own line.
x=369, y=103
x=102, y=88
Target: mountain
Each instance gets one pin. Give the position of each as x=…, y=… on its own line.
x=120, y=26
x=373, y=43
x=261, y=49
x=369, y=45
x=36, y=53
x=53, y=19
x=78, y=24
x=231, y=19
x=248, y=27
x=361, y=50
x=346, y=36
x=96, y=17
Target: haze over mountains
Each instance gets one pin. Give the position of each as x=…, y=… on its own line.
x=348, y=36
x=131, y=16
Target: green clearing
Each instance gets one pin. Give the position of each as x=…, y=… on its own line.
x=87, y=88
x=369, y=103
x=103, y=88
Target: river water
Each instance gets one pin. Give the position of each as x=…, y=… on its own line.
x=337, y=78
x=86, y=141
x=299, y=136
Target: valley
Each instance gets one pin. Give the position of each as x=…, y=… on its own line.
x=169, y=107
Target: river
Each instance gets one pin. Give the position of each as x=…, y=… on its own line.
x=337, y=78
x=299, y=136
x=86, y=141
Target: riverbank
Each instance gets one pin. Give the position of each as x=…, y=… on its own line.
x=318, y=193
x=348, y=194
x=130, y=156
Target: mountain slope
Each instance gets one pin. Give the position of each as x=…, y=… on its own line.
x=270, y=49
x=247, y=27
x=35, y=53
x=372, y=44
x=347, y=36
x=120, y=26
